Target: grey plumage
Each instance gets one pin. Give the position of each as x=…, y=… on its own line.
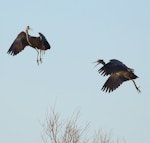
x=118, y=72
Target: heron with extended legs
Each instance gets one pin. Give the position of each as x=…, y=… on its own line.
x=40, y=44
x=118, y=72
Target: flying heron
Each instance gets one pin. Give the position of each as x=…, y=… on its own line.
x=118, y=72
x=24, y=39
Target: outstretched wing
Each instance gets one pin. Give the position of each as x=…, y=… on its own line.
x=113, y=82
x=19, y=44
x=45, y=44
x=112, y=67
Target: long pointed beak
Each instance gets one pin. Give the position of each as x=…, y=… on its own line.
x=30, y=29
x=97, y=63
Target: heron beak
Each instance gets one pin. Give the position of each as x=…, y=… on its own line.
x=30, y=28
x=97, y=63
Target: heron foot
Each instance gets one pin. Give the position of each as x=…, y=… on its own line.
x=41, y=60
x=37, y=61
x=138, y=89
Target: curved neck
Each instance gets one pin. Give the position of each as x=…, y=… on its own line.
x=27, y=37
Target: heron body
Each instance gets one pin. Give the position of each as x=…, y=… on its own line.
x=118, y=72
x=24, y=39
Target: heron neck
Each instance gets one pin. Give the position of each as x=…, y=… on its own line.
x=27, y=37
x=103, y=62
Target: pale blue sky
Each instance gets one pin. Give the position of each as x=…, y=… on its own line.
x=80, y=32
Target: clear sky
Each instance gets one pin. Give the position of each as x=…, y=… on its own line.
x=80, y=32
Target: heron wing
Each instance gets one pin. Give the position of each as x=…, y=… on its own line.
x=45, y=44
x=121, y=64
x=113, y=82
x=19, y=44
x=112, y=67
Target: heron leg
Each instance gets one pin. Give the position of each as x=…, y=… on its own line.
x=137, y=88
x=37, y=56
x=40, y=56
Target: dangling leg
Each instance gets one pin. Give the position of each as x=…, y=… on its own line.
x=41, y=56
x=42, y=52
x=136, y=86
x=37, y=56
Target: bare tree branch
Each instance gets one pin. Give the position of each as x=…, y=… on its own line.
x=57, y=130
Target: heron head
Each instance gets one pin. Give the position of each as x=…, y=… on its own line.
x=28, y=28
x=99, y=61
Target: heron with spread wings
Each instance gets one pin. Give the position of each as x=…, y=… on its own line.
x=40, y=44
x=118, y=72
